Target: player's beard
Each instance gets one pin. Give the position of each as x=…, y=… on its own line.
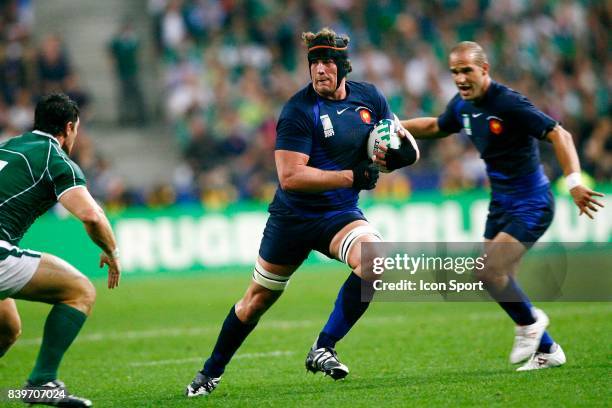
x=325, y=89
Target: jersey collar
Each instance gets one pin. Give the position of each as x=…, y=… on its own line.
x=50, y=136
x=487, y=94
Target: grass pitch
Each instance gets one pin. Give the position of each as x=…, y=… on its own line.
x=146, y=339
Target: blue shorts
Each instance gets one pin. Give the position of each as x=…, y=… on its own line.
x=525, y=218
x=288, y=238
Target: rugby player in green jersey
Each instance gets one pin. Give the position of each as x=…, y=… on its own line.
x=35, y=173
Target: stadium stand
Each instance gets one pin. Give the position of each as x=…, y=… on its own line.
x=229, y=65
x=224, y=68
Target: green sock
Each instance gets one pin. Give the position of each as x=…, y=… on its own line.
x=61, y=328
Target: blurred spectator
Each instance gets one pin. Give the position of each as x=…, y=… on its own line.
x=21, y=113
x=202, y=152
x=394, y=185
x=227, y=67
x=72, y=88
x=161, y=196
x=124, y=50
x=216, y=188
x=13, y=74
x=28, y=69
x=218, y=66
x=599, y=150
x=170, y=26
x=53, y=64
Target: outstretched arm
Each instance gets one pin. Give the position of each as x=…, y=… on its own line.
x=424, y=128
x=568, y=159
x=419, y=128
x=80, y=203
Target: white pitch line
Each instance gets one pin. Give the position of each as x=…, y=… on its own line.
x=279, y=325
x=198, y=331
x=130, y=335
x=277, y=353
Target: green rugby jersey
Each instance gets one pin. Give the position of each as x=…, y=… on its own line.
x=34, y=173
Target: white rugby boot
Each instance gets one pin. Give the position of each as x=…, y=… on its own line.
x=545, y=360
x=527, y=338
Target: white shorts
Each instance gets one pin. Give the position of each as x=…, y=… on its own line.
x=17, y=266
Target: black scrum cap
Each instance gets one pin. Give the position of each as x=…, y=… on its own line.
x=322, y=48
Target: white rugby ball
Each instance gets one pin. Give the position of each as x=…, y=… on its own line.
x=384, y=133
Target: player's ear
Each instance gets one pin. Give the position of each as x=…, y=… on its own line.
x=485, y=68
x=69, y=127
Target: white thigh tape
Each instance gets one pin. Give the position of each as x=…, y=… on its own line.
x=269, y=280
x=349, y=240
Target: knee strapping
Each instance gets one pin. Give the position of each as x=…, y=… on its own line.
x=351, y=238
x=269, y=280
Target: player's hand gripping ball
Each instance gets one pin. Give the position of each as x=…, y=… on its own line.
x=384, y=133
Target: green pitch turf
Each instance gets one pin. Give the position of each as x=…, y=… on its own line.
x=146, y=340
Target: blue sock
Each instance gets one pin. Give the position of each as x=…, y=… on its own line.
x=517, y=305
x=347, y=310
x=546, y=343
x=233, y=332
x=514, y=301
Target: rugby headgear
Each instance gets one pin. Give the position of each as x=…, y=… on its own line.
x=336, y=49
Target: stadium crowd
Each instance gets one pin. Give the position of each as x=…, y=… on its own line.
x=227, y=67
x=30, y=68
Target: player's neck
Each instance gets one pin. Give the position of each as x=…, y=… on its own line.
x=61, y=139
x=485, y=89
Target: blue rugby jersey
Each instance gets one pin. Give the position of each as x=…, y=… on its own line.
x=505, y=127
x=334, y=135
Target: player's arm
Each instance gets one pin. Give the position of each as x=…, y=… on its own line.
x=80, y=203
x=294, y=174
x=434, y=128
x=568, y=159
x=424, y=128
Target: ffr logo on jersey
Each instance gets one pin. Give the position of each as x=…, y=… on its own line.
x=365, y=114
x=495, y=124
x=328, y=128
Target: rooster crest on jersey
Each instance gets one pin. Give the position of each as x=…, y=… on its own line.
x=384, y=133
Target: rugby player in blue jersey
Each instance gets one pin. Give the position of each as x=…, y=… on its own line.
x=322, y=165
x=505, y=127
